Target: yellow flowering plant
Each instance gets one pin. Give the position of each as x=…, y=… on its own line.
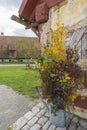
x=60, y=74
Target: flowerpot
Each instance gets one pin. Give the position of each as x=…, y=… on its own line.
x=58, y=119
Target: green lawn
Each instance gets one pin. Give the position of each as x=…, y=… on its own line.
x=11, y=62
x=20, y=79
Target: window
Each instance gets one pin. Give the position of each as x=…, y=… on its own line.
x=78, y=39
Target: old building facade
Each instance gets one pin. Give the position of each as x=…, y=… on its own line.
x=71, y=13
x=15, y=47
x=42, y=15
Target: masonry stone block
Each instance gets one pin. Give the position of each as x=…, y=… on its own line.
x=35, y=127
x=29, y=115
x=41, y=113
x=19, y=123
x=42, y=120
x=83, y=123
x=47, y=114
x=75, y=119
x=40, y=105
x=33, y=121
x=80, y=128
x=72, y=126
x=52, y=127
x=61, y=128
x=26, y=127
x=35, y=109
x=47, y=125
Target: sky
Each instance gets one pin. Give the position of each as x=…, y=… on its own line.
x=8, y=26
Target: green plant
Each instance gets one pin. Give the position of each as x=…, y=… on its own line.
x=60, y=74
x=20, y=79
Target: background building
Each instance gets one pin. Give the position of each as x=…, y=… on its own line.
x=12, y=47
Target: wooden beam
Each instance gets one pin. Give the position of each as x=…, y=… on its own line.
x=32, y=25
x=35, y=31
x=19, y=20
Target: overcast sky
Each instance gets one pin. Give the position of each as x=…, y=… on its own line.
x=8, y=26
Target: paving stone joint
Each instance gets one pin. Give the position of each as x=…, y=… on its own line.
x=38, y=119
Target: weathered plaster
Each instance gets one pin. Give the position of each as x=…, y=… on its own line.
x=46, y=28
x=73, y=14
x=69, y=13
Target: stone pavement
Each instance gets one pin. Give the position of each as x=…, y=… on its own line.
x=12, y=106
x=38, y=119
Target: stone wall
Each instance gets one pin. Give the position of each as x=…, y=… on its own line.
x=69, y=13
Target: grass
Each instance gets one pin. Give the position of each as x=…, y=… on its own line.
x=11, y=62
x=20, y=79
x=18, y=62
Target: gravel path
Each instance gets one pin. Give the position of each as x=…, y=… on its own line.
x=12, y=106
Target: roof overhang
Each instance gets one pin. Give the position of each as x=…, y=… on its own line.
x=27, y=8
x=27, y=12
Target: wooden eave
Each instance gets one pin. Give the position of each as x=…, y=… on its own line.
x=27, y=8
x=27, y=13
x=51, y=3
x=27, y=25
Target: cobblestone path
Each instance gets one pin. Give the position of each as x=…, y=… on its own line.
x=12, y=106
x=38, y=119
